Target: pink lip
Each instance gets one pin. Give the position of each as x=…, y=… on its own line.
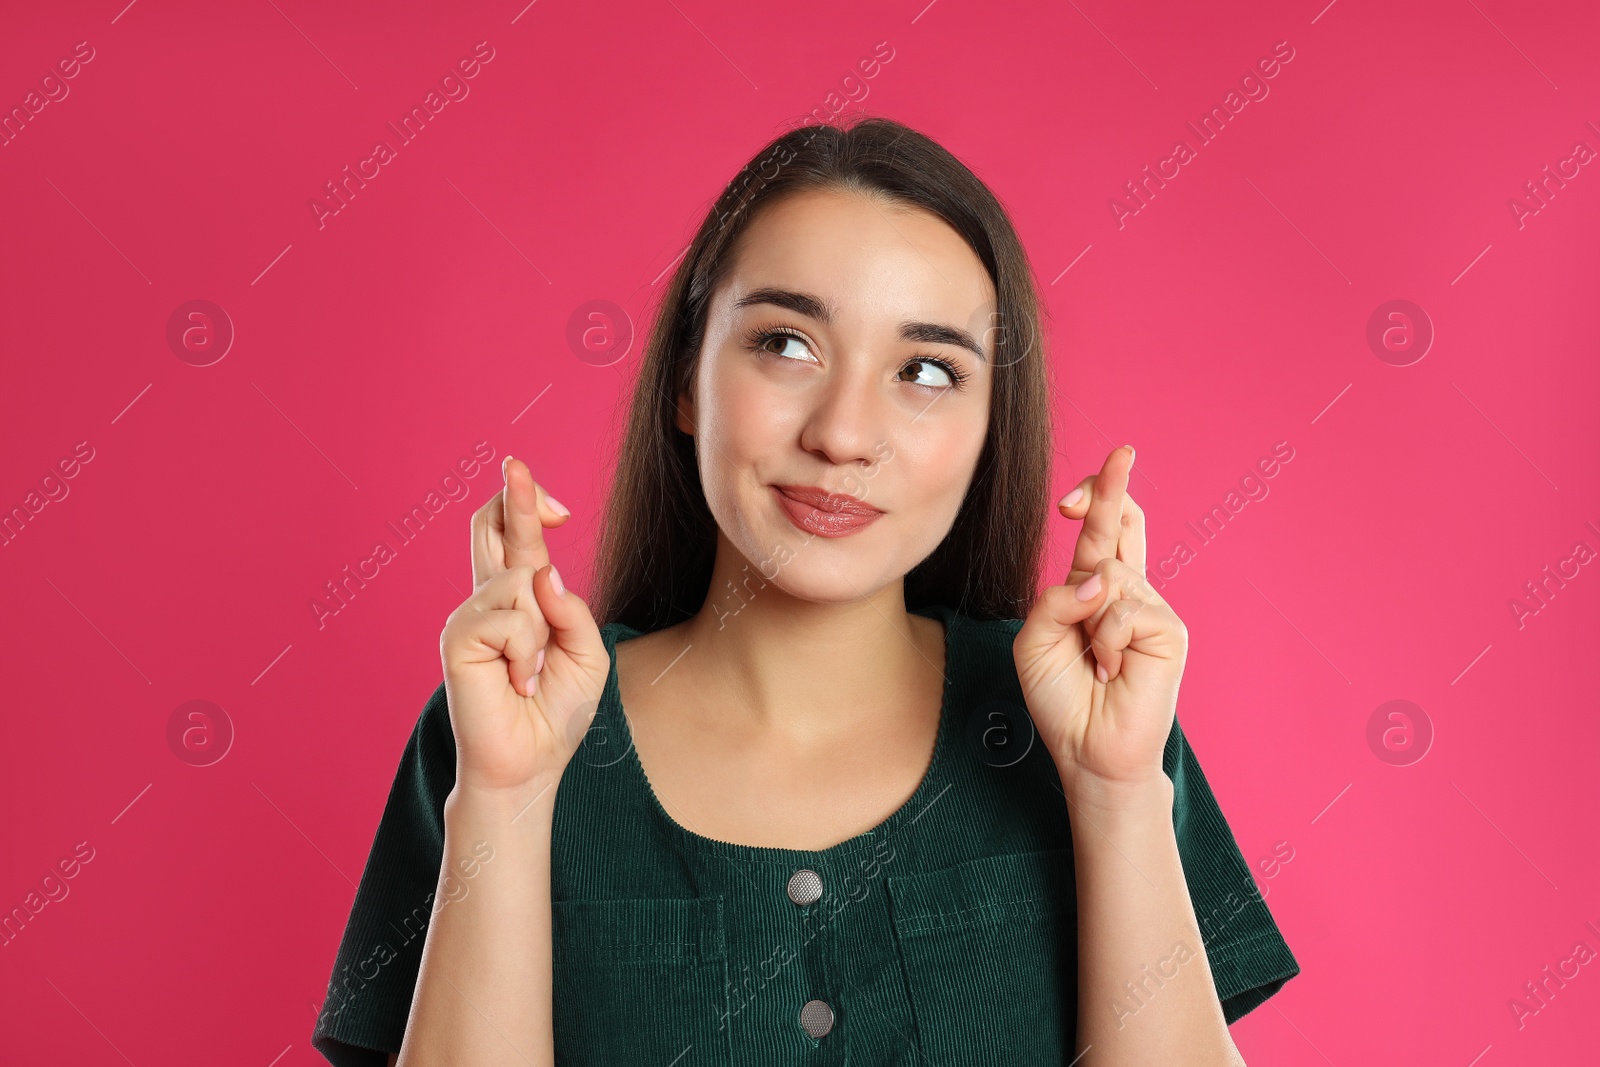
x=824, y=514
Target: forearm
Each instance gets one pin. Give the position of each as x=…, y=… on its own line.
x=484, y=989
x=1145, y=993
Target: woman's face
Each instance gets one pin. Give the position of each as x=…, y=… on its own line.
x=839, y=356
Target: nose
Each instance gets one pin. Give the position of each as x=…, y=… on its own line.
x=849, y=417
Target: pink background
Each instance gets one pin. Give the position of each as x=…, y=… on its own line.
x=431, y=313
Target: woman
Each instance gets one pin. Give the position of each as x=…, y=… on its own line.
x=874, y=798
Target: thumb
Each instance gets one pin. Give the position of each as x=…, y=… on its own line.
x=1059, y=610
x=572, y=627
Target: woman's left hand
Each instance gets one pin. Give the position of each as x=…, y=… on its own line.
x=1100, y=673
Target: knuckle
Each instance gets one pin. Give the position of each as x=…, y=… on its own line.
x=531, y=631
x=1132, y=579
x=451, y=631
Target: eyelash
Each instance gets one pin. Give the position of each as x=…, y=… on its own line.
x=757, y=337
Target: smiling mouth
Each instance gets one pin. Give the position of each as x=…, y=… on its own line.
x=824, y=514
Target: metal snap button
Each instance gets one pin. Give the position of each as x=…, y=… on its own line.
x=816, y=1018
x=805, y=886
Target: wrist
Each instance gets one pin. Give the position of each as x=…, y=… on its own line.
x=526, y=804
x=1100, y=798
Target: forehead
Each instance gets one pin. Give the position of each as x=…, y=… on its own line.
x=876, y=261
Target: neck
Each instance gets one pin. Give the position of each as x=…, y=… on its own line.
x=803, y=668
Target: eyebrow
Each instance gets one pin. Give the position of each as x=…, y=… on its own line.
x=815, y=308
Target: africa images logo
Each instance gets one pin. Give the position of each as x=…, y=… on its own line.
x=453, y=88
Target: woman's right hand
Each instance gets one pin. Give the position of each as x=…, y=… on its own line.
x=524, y=664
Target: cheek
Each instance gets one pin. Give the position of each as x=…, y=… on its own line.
x=939, y=470
x=743, y=419
x=926, y=477
x=938, y=512
x=740, y=430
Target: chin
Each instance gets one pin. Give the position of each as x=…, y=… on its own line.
x=827, y=570
x=819, y=587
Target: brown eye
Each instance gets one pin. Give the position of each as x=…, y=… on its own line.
x=921, y=368
x=780, y=343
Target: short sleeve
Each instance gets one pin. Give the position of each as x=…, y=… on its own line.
x=364, y=1015
x=1249, y=958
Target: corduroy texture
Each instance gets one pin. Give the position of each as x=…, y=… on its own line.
x=946, y=935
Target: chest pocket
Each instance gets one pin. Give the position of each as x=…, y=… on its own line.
x=640, y=981
x=989, y=950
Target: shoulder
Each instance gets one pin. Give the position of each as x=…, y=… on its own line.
x=979, y=666
x=980, y=649
x=614, y=634
x=973, y=624
x=981, y=676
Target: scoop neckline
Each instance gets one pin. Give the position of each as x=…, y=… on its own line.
x=914, y=805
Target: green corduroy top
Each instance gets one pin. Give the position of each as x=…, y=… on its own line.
x=944, y=936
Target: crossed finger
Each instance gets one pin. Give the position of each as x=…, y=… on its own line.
x=1132, y=610
x=508, y=530
x=1113, y=524
x=507, y=605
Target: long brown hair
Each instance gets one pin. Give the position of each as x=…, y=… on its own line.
x=658, y=538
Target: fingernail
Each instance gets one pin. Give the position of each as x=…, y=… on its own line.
x=1090, y=589
x=538, y=662
x=533, y=684
x=1100, y=672
x=1130, y=452
x=561, y=590
x=558, y=506
x=503, y=465
x=1072, y=497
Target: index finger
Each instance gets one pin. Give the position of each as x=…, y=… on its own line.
x=528, y=509
x=1102, y=523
